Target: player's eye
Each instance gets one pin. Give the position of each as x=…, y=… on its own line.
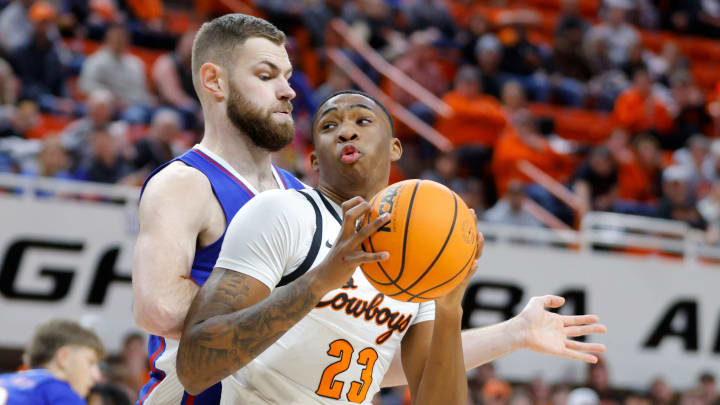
x=264, y=76
x=364, y=121
x=328, y=125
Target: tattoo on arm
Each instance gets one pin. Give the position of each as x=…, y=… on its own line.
x=229, y=324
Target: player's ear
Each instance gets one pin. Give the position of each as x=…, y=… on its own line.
x=395, y=149
x=211, y=80
x=314, y=164
x=62, y=357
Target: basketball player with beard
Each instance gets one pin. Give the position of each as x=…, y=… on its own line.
x=287, y=319
x=240, y=72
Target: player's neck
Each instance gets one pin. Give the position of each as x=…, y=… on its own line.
x=251, y=161
x=56, y=371
x=338, y=197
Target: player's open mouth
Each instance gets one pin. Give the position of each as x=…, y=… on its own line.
x=349, y=154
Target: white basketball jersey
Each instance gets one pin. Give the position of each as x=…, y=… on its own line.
x=341, y=350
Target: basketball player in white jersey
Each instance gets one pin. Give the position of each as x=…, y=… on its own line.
x=285, y=318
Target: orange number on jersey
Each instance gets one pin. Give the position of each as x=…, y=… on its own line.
x=358, y=391
x=328, y=386
x=3, y=396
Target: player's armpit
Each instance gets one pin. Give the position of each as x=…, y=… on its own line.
x=170, y=223
x=233, y=319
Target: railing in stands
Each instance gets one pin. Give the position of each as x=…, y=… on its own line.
x=400, y=112
x=616, y=233
x=555, y=188
x=391, y=72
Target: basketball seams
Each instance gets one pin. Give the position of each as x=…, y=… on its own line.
x=437, y=257
x=462, y=270
x=372, y=249
x=405, y=235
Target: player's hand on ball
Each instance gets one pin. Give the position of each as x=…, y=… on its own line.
x=549, y=333
x=346, y=254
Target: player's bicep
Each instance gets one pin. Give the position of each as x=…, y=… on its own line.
x=226, y=291
x=415, y=347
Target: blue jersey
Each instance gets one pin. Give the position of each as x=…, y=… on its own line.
x=232, y=193
x=36, y=387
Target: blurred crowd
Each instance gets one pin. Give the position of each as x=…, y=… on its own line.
x=116, y=378
x=487, y=388
x=122, y=114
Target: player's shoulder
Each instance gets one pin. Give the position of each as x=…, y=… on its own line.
x=176, y=180
x=281, y=202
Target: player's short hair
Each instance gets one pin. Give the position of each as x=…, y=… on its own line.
x=217, y=40
x=52, y=335
x=358, y=92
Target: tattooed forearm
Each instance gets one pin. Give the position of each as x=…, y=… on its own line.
x=233, y=320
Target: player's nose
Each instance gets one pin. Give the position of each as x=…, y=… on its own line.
x=347, y=132
x=285, y=92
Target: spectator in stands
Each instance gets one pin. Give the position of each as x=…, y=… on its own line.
x=540, y=392
x=568, y=57
x=420, y=63
x=100, y=112
x=635, y=61
x=639, y=109
x=640, y=174
x=423, y=14
x=107, y=394
x=570, y=18
x=63, y=360
x=665, y=64
x=468, y=38
x=18, y=121
x=108, y=163
x=9, y=85
x=373, y=21
x=134, y=361
x=445, y=171
x=596, y=180
x=599, y=381
x=15, y=26
x=42, y=65
x=619, y=36
x=678, y=202
x=524, y=142
x=477, y=119
x=709, y=208
x=560, y=395
x=585, y=396
x=509, y=209
x=172, y=77
x=114, y=69
x=496, y=392
x=488, y=52
x=337, y=80
x=708, y=388
x=695, y=157
x=316, y=17
x=660, y=391
x=52, y=161
x=522, y=61
x=692, y=117
x=156, y=148
x=513, y=99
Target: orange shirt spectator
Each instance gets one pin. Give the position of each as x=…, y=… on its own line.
x=637, y=110
x=420, y=64
x=478, y=119
x=524, y=143
x=639, y=174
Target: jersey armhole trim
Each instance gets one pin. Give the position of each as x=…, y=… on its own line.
x=314, y=246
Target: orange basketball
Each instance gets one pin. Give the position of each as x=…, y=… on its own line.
x=431, y=238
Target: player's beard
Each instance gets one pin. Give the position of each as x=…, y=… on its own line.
x=257, y=124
